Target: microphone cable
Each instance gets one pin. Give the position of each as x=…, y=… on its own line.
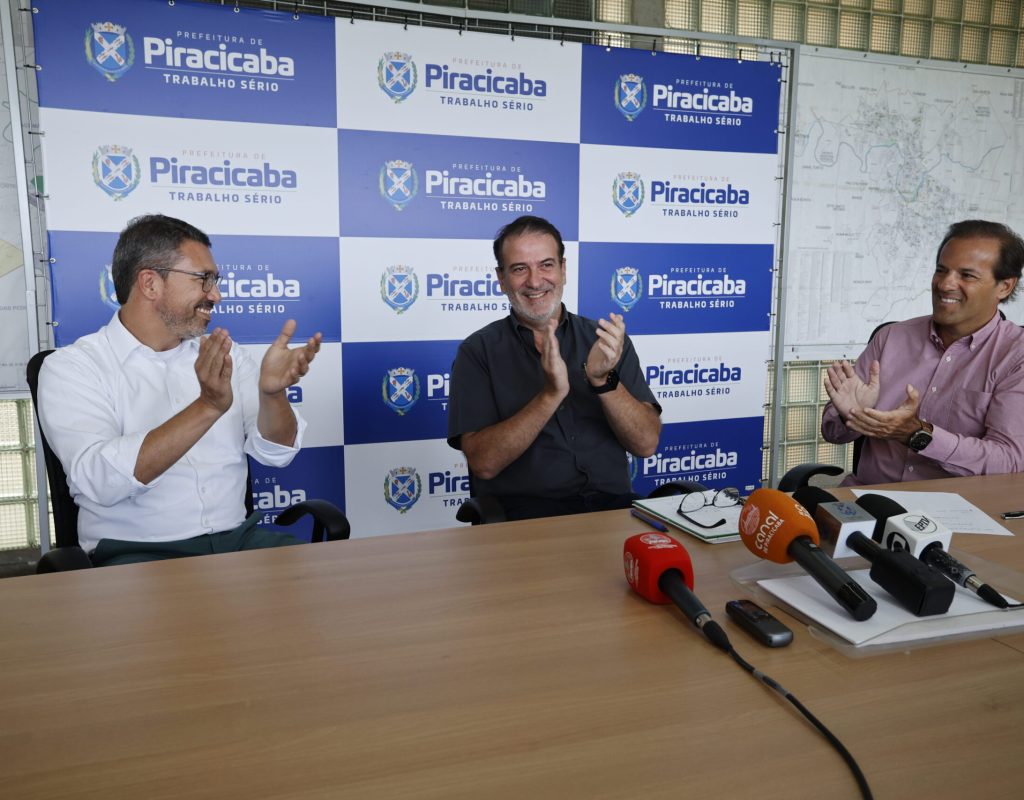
x=831, y=738
x=718, y=637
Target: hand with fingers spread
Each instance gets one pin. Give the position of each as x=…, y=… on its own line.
x=897, y=424
x=283, y=366
x=213, y=369
x=847, y=391
x=607, y=350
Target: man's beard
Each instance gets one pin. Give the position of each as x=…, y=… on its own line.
x=186, y=325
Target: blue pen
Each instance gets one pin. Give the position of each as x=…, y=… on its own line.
x=652, y=522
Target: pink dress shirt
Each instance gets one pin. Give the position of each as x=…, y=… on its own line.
x=972, y=392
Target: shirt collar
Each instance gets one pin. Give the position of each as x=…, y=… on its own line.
x=972, y=340
x=123, y=342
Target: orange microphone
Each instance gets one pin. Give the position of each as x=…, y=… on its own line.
x=776, y=527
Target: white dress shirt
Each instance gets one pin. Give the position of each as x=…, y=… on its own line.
x=101, y=396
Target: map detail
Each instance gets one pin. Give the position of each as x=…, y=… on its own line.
x=886, y=155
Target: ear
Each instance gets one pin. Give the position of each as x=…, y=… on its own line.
x=1005, y=287
x=148, y=284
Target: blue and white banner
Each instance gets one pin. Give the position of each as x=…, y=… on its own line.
x=717, y=454
x=398, y=290
x=655, y=195
x=636, y=98
x=706, y=376
x=399, y=487
x=426, y=80
x=679, y=288
x=224, y=177
x=452, y=187
x=352, y=175
x=397, y=391
x=185, y=60
x=265, y=281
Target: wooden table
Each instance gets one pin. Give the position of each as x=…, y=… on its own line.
x=505, y=661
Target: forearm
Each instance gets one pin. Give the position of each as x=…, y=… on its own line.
x=992, y=454
x=166, y=444
x=275, y=420
x=833, y=428
x=635, y=424
x=491, y=449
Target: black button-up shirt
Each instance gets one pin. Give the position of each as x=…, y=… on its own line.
x=497, y=371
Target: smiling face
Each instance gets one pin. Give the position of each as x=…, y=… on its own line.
x=532, y=276
x=965, y=293
x=183, y=306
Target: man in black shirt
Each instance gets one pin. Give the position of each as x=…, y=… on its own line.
x=545, y=403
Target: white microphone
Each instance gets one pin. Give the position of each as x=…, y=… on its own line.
x=899, y=529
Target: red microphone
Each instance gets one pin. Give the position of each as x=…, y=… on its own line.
x=659, y=570
x=776, y=527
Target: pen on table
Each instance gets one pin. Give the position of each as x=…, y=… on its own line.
x=652, y=522
x=1013, y=515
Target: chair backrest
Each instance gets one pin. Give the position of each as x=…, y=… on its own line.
x=65, y=512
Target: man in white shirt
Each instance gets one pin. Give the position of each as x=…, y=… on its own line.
x=152, y=420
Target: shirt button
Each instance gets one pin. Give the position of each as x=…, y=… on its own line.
x=910, y=469
x=972, y=346
x=935, y=389
x=948, y=358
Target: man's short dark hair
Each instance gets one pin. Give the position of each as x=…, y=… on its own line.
x=1011, y=248
x=526, y=224
x=149, y=242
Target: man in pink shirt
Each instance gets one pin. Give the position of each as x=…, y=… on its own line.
x=943, y=395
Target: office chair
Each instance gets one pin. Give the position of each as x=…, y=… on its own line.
x=485, y=509
x=328, y=520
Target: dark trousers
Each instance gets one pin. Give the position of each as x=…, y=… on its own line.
x=522, y=507
x=110, y=552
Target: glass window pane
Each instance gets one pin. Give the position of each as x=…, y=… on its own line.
x=885, y=34
x=853, y=30
x=822, y=26
x=914, y=38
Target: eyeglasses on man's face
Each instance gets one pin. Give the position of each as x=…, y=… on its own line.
x=209, y=279
x=693, y=502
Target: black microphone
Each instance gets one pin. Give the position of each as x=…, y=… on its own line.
x=898, y=530
x=913, y=584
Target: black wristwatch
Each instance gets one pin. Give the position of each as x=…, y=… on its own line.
x=610, y=384
x=921, y=438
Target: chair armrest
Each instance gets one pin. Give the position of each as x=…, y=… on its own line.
x=63, y=559
x=481, y=510
x=327, y=517
x=800, y=474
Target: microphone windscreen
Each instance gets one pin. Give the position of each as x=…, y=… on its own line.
x=810, y=497
x=881, y=508
x=646, y=556
x=770, y=521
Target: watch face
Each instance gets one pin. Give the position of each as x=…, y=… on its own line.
x=920, y=440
